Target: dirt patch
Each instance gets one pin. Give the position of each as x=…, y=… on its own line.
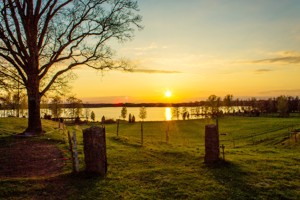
x=29, y=158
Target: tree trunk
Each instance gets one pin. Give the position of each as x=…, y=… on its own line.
x=34, y=101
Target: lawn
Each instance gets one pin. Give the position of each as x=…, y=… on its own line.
x=262, y=162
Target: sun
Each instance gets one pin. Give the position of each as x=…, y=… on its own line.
x=168, y=93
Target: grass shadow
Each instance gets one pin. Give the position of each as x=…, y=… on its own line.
x=64, y=186
x=234, y=179
x=124, y=141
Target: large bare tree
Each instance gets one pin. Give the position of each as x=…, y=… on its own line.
x=43, y=39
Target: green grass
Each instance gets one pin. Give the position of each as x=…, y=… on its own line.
x=261, y=162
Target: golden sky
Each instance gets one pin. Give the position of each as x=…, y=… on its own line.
x=196, y=48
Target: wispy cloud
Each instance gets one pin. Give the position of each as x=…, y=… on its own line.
x=283, y=60
x=262, y=71
x=151, y=46
x=153, y=71
x=283, y=57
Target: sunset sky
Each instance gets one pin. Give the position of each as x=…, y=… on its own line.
x=196, y=48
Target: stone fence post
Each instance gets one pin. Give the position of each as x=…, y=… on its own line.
x=94, y=142
x=212, y=147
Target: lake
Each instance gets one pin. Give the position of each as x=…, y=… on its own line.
x=153, y=113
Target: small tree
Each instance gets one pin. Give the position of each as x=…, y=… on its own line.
x=175, y=112
x=142, y=115
x=124, y=112
x=213, y=102
x=93, y=116
x=87, y=112
x=184, y=112
x=56, y=106
x=103, y=119
x=184, y=115
x=129, y=118
x=74, y=107
x=227, y=102
x=283, y=106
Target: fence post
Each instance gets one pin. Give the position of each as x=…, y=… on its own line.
x=212, y=146
x=223, y=151
x=76, y=160
x=142, y=134
x=167, y=133
x=118, y=123
x=71, y=151
x=94, y=142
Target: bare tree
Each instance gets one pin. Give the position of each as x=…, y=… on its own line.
x=43, y=40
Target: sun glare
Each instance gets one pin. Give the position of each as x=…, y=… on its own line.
x=168, y=93
x=168, y=114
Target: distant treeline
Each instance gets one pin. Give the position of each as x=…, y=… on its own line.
x=269, y=105
x=284, y=105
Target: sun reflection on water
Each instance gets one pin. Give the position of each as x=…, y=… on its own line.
x=168, y=114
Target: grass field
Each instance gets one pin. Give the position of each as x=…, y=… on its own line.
x=262, y=162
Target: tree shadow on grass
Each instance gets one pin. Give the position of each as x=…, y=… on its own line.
x=65, y=186
x=234, y=180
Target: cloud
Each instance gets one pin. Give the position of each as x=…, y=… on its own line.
x=261, y=71
x=153, y=71
x=283, y=60
x=282, y=57
x=149, y=47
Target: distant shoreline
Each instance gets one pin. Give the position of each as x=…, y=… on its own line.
x=100, y=105
x=104, y=105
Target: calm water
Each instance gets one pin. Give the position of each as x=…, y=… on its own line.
x=153, y=113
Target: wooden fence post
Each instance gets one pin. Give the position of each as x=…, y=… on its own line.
x=167, y=133
x=142, y=134
x=223, y=151
x=212, y=147
x=94, y=142
x=118, y=123
x=71, y=151
x=76, y=160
